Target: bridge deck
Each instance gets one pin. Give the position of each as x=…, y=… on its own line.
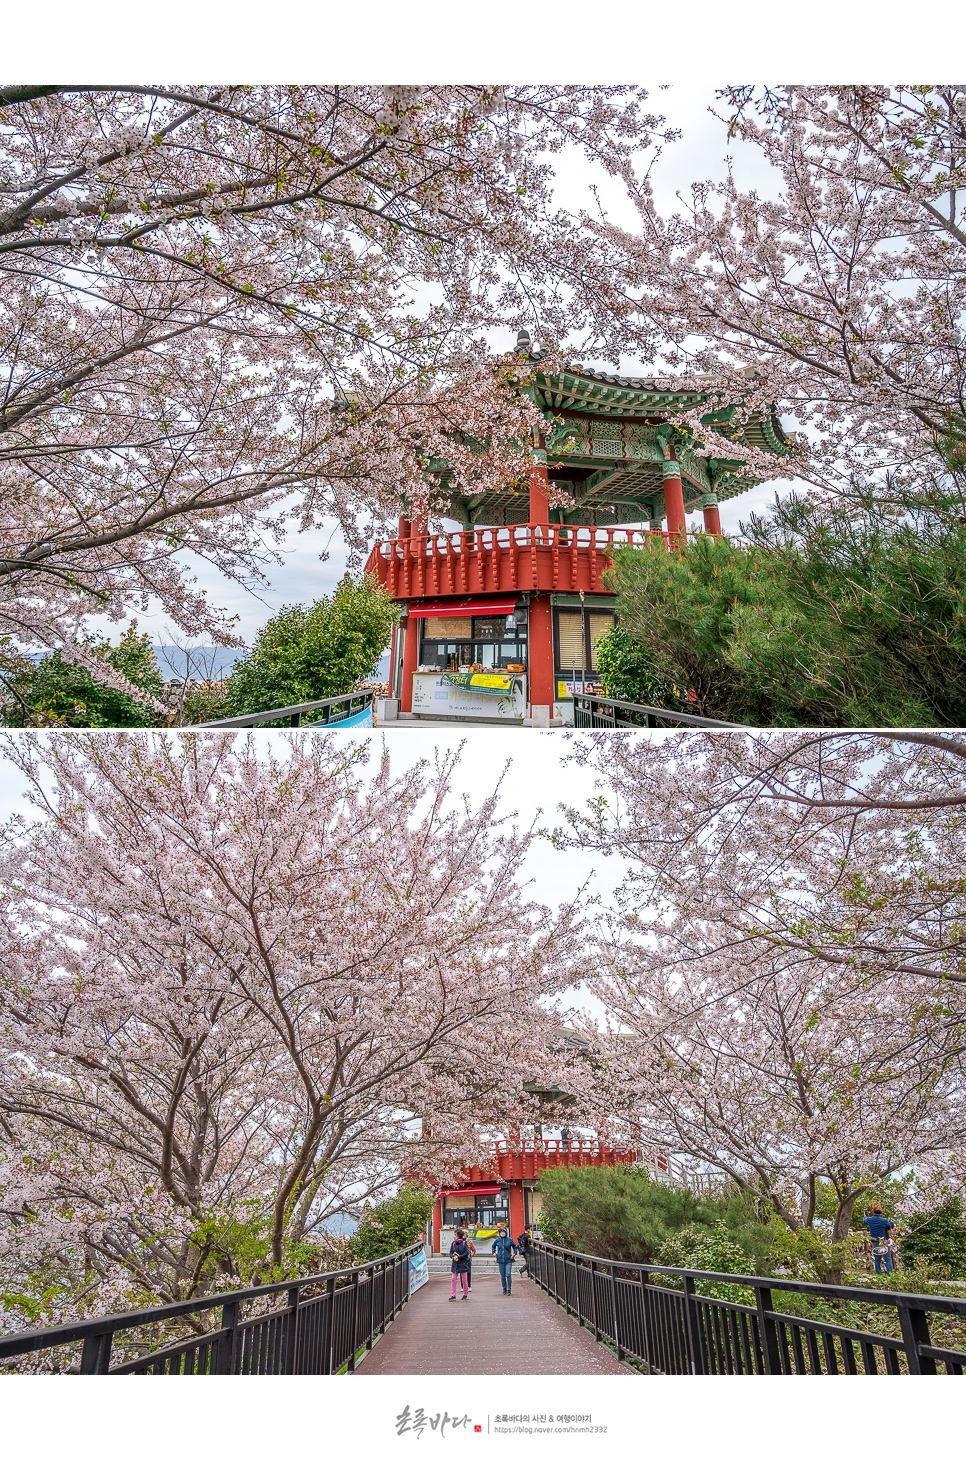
x=488, y=1334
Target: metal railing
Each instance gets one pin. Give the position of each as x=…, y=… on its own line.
x=334, y=711
x=315, y=1333
x=677, y=1330
x=596, y=712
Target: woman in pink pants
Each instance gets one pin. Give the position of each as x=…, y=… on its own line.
x=459, y=1251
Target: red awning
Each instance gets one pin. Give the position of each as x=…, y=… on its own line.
x=484, y=1188
x=451, y=607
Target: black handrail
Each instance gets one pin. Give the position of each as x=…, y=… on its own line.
x=317, y=1335
x=293, y=713
x=677, y=1330
x=597, y=712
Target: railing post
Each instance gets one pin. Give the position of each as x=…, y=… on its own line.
x=915, y=1330
x=694, y=1327
x=226, y=1345
x=769, y=1333
x=617, y=1325
x=593, y=1299
x=646, y=1317
x=96, y=1354
x=327, y=1312
x=355, y=1321
x=385, y=1295
x=297, y=718
x=372, y=1307
x=292, y=1330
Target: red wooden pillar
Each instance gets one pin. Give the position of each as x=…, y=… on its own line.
x=517, y=1216
x=410, y=661
x=540, y=655
x=539, y=501
x=540, y=652
x=712, y=517
x=674, y=502
x=437, y=1221
x=405, y=527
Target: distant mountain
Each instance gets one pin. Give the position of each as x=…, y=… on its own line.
x=208, y=660
x=216, y=662
x=340, y=1226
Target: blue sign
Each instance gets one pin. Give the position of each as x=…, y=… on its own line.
x=418, y=1272
x=364, y=717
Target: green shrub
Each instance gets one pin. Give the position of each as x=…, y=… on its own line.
x=710, y=1249
x=392, y=1224
x=936, y=1240
x=627, y=672
x=57, y=692
x=314, y=653
x=621, y=1213
x=825, y=615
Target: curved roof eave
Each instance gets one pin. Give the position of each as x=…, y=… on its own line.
x=621, y=393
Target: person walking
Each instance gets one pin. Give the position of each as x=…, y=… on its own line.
x=505, y=1247
x=880, y=1228
x=459, y=1251
x=469, y=1271
x=525, y=1245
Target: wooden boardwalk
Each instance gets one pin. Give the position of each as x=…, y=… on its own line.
x=526, y=1333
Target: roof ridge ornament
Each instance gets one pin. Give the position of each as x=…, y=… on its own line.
x=524, y=346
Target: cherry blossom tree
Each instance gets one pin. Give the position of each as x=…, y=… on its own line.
x=229, y=310
x=774, y=1072
x=785, y=968
x=840, y=291
x=845, y=846
x=234, y=976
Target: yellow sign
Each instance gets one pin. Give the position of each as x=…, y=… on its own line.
x=486, y=684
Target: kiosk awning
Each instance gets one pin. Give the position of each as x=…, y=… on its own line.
x=482, y=1188
x=457, y=607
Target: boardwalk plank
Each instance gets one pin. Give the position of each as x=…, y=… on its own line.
x=526, y=1333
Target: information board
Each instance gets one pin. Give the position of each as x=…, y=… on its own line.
x=432, y=695
x=418, y=1272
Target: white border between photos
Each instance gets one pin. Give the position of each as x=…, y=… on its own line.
x=55, y=1418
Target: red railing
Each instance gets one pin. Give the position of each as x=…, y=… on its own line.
x=568, y=1146
x=530, y=557
x=519, y=1160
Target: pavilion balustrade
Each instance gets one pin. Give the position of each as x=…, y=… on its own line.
x=321, y=1327
x=665, y=1319
x=530, y=557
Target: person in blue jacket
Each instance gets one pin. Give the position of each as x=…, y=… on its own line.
x=505, y=1249
x=879, y=1230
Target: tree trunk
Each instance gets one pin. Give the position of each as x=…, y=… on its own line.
x=843, y=1217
